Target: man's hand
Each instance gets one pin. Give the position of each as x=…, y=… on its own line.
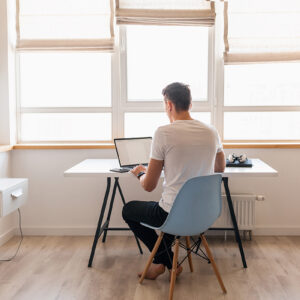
x=152, y=174
x=138, y=169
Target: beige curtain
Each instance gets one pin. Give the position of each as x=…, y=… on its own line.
x=65, y=25
x=165, y=12
x=261, y=30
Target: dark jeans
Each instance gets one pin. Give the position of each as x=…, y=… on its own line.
x=151, y=213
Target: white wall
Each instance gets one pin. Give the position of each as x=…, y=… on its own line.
x=7, y=108
x=7, y=223
x=59, y=205
x=4, y=104
x=7, y=73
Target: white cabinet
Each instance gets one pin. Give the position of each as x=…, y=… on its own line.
x=13, y=194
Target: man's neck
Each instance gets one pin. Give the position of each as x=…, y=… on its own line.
x=182, y=116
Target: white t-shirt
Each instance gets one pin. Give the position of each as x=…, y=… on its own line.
x=188, y=149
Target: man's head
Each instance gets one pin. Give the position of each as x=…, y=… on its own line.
x=179, y=94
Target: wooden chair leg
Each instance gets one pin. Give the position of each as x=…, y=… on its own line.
x=209, y=254
x=188, y=245
x=174, y=269
x=151, y=256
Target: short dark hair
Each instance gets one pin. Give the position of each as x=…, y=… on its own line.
x=179, y=94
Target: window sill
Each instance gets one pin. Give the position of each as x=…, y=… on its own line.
x=112, y=146
x=65, y=146
x=262, y=145
x=5, y=148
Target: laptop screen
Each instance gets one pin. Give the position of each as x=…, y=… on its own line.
x=133, y=151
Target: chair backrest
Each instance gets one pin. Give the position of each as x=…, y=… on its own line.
x=196, y=207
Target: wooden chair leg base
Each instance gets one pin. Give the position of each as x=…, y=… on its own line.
x=151, y=256
x=212, y=261
x=174, y=269
x=175, y=259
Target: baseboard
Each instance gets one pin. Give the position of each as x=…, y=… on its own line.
x=264, y=231
x=7, y=236
x=276, y=231
x=90, y=231
x=67, y=231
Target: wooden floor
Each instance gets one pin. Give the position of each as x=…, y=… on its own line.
x=56, y=268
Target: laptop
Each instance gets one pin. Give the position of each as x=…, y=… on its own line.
x=132, y=152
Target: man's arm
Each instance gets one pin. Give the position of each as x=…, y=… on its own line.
x=220, y=162
x=152, y=174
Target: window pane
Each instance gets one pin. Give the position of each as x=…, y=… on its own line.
x=262, y=125
x=65, y=79
x=201, y=116
x=155, y=58
x=144, y=124
x=65, y=126
x=262, y=84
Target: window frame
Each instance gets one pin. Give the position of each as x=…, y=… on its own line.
x=268, y=58
x=259, y=109
x=81, y=109
x=126, y=106
x=256, y=108
x=120, y=104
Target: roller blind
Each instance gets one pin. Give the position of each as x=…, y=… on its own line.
x=65, y=24
x=165, y=12
x=261, y=30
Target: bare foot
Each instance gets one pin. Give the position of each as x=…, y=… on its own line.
x=178, y=271
x=154, y=271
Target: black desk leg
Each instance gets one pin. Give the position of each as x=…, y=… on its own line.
x=123, y=200
x=235, y=226
x=117, y=185
x=97, y=234
x=110, y=208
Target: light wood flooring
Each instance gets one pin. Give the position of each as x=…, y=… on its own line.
x=56, y=268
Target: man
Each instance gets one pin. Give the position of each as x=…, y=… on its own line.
x=185, y=148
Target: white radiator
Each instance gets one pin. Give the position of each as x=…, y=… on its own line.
x=244, y=208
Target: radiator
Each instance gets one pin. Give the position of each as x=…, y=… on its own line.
x=244, y=208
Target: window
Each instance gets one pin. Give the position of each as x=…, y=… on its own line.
x=71, y=97
x=60, y=79
x=59, y=127
x=78, y=83
x=64, y=70
x=155, y=57
x=262, y=102
x=262, y=85
x=64, y=96
x=151, y=59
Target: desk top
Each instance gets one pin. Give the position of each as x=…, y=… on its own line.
x=101, y=167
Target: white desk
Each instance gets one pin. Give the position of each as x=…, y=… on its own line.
x=100, y=168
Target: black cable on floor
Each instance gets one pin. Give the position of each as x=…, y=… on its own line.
x=21, y=232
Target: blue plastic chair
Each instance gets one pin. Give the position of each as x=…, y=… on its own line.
x=196, y=207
